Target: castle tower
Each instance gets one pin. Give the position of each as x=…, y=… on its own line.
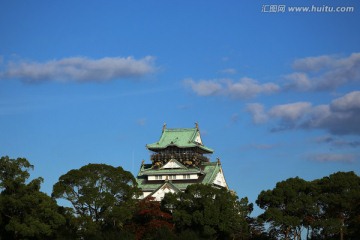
x=178, y=159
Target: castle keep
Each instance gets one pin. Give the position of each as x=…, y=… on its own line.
x=178, y=159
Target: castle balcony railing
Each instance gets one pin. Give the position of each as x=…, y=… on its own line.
x=182, y=157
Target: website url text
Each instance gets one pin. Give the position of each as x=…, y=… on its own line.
x=304, y=9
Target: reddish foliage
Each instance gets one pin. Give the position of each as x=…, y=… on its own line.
x=149, y=218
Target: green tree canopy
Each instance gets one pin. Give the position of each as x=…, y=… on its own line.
x=329, y=207
x=102, y=195
x=339, y=203
x=210, y=212
x=288, y=207
x=25, y=212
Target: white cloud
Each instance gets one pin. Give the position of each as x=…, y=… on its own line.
x=349, y=102
x=323, y=72
x=299, y=81
x=343, y=115
x=310, y=64
x=290, y=112
x=325, y=139
x=79, y=69
x=204, y=87
x=320, y=73
x=333, y=157
x=317, y=116
x=244, y=88
x=257, y=112
x=338, y=142
x=340, y=117
x=229, y=71
x=249, y=88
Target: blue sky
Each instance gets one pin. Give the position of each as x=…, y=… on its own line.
x=276, y=94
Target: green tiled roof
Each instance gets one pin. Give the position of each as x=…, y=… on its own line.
x=179, y=137
x=211, y=170
x=207, y=171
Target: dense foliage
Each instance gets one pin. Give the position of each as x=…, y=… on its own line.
x=103, y=196
x=25, y=212
x=104, y=206
x=149, y=221
x=329, y=208
x=211, y=213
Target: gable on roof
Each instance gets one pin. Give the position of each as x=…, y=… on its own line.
x=160, y=192
x=173, y=164
x=197, y=138
x=220, y=179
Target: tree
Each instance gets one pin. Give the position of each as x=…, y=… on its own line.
x=339, y=203
x=288, y=207
x=150, y=221
x=69, y=229
x=25, y=212
x=329, y=207
x=103, y=196
x=210, y=212
x=257, y=229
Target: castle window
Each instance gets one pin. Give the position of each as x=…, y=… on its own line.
x=172, y=177
x=158, y=177
x=186, y=176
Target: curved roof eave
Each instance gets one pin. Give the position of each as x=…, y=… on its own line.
x=209, y=150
